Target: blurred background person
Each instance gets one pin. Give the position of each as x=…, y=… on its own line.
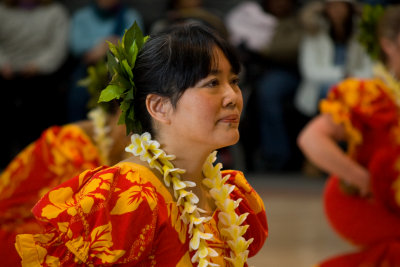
x=361, y=197
x=91, y=26
x=33, y=50
x=268, y=36
x=329, y=51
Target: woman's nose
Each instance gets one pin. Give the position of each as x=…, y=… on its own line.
x=232, y=95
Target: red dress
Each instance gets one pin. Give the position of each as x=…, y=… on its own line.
x=125, y=215
x=59, y=154
x=370, y=115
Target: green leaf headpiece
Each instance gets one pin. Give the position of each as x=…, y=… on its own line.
x=121, y=60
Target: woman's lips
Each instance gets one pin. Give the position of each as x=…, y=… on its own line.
x=231, y=119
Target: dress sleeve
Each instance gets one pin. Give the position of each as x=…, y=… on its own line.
x=253, y=204
x=58, y=154
x=103, y=216
x=360, y=105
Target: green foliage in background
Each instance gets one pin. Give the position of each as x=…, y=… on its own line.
x=368, y=35
x=96, y=80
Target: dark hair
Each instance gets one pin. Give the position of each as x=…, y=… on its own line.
x=347, y=24
x=174, y=60
x=389, y=26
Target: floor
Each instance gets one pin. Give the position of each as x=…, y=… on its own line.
x=299, y=235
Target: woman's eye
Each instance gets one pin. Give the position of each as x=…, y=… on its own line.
x=212, y=83
x=235, y=81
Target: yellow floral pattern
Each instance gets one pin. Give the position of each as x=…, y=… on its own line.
x=130, y=199
x=65, y=199
x=125, y=215
x=176, y=222
x=98, y=246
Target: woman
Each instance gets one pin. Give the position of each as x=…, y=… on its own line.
x=329, y=51
x=60, y=153
x=361, y=197
x=167, y=205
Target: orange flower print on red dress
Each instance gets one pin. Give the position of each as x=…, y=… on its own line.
x=59, y=154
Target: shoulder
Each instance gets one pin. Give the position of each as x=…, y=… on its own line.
x=94, y=186
x=356, y=103
x=244, y=190
x=356, y=91
x=237, y=178
x=69, y=135
x=102, y=205
x=69, y=142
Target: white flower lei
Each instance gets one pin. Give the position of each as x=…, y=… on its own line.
x=229, y=222
x=104, y=143
x=390, y=79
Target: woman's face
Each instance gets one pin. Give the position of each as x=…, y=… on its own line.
x=107, y=4
x=337, y=11
x=392, y=51
x=209, y=113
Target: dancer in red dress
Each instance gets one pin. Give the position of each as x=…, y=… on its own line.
x=362, y=196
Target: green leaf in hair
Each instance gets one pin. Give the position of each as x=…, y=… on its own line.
x=111, y=92
x=121, y=60
x=111, y=63
x=121, y=81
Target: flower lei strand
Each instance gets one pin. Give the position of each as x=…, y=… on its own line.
x=104, y=143
x=392, y=82
x=229, y=222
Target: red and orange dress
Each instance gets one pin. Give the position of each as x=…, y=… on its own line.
x=369, y=111
x=125, y=215
x=59, y=154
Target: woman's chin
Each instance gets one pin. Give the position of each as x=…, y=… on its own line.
x=230, y=140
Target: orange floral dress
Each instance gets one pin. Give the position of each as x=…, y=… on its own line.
x=125, y=215
x=370, y=114
x=59, y=154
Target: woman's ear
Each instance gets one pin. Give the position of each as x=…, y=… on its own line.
x=159, y=108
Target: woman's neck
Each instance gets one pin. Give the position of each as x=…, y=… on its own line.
x=188, y=156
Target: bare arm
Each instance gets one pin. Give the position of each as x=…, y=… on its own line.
x=319, y=143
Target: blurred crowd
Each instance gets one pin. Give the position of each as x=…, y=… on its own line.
x=292, y=52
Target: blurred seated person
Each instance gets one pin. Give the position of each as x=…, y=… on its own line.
x=91, y=26
x=268, y=35
x=329, y=51
x=33, y=49
x=61, y=152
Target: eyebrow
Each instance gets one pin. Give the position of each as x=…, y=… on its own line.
x=217, y=71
